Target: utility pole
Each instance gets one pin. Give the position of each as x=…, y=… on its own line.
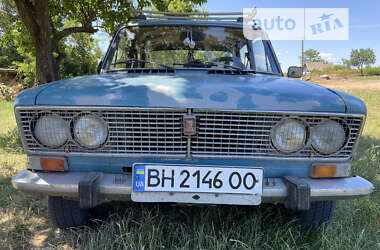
x=302, y=55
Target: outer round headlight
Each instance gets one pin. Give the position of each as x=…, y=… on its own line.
x=289, y=135
x=90, y=131
x=51, y=131
x=328, y=137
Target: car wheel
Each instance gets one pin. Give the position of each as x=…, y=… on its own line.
x=67, y=213
x=319, y=215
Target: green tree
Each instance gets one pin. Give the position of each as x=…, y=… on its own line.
x=8, y=49
x=44, y=20
x=347, y=63
x=361, y=58
x=82, y=56
x=312, y=55
x=17, y=50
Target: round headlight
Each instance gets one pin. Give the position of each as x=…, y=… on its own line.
x=328, y=137
x=289, y=135
x=51, y=131
x=90, y=131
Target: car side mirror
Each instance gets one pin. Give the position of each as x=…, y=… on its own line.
x=99, y=67
x=295, y=72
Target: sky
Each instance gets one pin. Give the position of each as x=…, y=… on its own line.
x=364, y=28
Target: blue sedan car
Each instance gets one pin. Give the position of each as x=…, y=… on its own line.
x=189, y=111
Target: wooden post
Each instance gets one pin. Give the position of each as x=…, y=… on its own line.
x=303, y=55
x=7, y=70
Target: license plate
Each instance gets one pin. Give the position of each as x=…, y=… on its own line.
x=197, y=179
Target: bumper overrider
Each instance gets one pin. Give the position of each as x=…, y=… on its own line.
x=92, y=188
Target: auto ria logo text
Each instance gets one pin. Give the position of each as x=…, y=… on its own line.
x=296, y=23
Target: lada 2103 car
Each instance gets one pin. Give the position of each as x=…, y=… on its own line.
x=187, y=110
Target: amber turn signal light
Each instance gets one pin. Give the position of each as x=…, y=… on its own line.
x=324, y=171
x=51, y=164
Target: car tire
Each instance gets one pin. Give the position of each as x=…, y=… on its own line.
x=319, y=215
x=67, y=213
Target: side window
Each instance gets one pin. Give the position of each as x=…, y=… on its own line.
x=260, y=57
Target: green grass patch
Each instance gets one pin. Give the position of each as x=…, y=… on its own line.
x=372, y=101
x=24, y=222
x=365, y=77
x=372, y=71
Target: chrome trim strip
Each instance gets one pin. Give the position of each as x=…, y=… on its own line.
x=96, y=108
x=274, y=190
x=193, y=156
x=278, y=112
x=179, y=156
x=194, y=111
x=20, y=129
x=274, y=158
x=188, y=146
x=354, y=147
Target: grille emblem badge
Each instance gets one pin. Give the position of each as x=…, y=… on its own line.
x=189, y=125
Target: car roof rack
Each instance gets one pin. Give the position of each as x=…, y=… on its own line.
x=200, y=16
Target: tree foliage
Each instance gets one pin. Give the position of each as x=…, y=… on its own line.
x=362, y=57
x=8, y=49
x=46, y=24
x=82, y=56
x=347, y=63
x=312, y=55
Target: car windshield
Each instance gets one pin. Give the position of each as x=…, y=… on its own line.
x=188, y=47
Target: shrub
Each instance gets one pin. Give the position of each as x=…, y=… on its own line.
x=6, y=93
x=27, y=69
x=372, y=71
x=316, y=72
x=328, y=70
x=339, y=68
x=335, y=70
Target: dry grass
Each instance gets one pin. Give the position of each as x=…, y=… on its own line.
x=369, y=92
x=353, y=84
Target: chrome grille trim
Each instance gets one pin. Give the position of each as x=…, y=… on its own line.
x=158, y=133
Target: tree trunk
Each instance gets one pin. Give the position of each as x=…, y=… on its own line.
x=36, y=18
x=46, y=69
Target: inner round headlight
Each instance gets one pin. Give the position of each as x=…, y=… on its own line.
x=90, y=131
x=328, y=137
x=51, y=131
x=289, y=135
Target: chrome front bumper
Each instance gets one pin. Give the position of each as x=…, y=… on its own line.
x=119, y=187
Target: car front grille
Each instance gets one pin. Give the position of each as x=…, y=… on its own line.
x=131, y=132
x=159, y=133
x=242, y=134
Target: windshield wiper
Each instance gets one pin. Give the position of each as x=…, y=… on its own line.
x=144, y=61
x=267, y=73
x=224, y=65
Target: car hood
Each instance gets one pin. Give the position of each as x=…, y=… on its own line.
x=189, y=89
